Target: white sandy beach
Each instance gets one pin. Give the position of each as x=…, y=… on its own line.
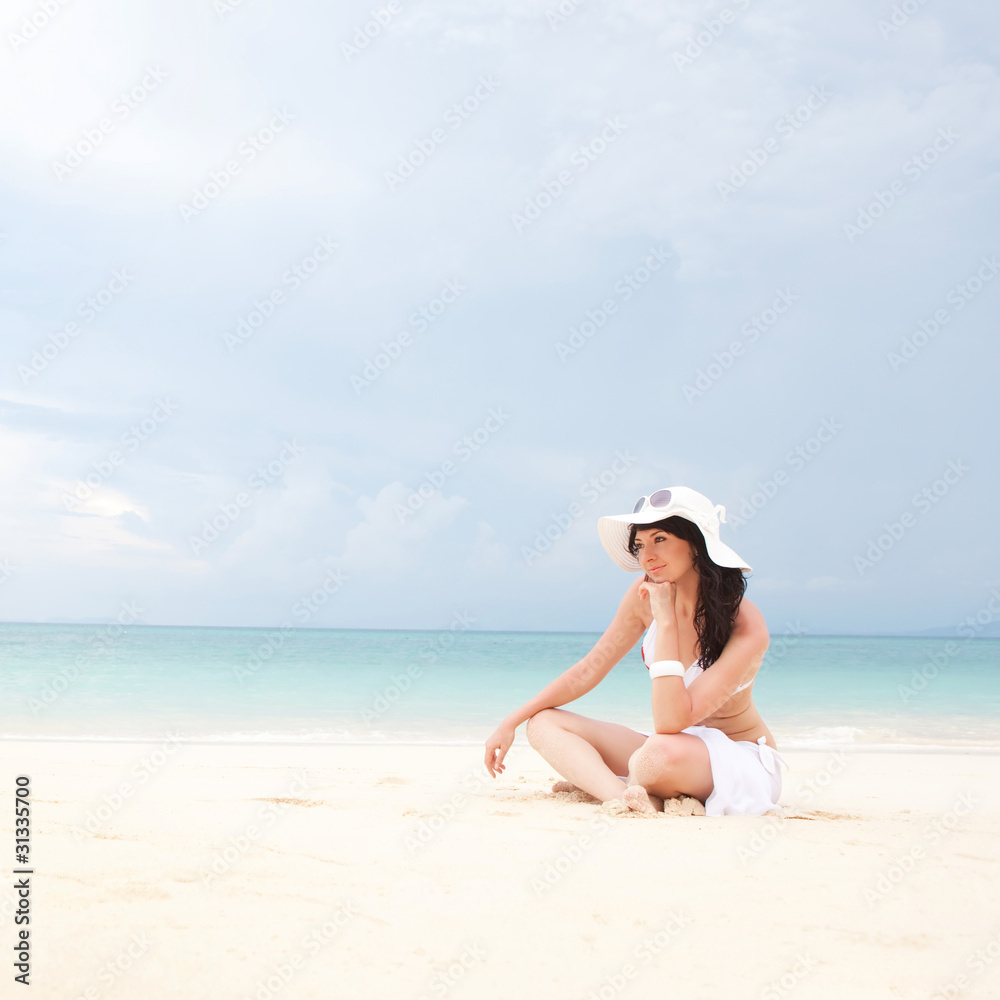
x=214, y=871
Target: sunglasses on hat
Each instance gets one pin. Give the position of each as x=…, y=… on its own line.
x=659, y=500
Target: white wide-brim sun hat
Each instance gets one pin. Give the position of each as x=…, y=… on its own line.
x=674, y=501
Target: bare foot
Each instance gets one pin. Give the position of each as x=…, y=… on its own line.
x=573, y=793
x=684, y=805
x=615, y=807
x=639, y=800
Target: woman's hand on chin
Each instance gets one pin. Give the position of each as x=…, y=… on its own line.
x=661, y=597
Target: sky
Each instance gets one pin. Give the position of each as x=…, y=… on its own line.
x=360, y=315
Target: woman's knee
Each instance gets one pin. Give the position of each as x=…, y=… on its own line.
x=660, y=750
x=538, y=721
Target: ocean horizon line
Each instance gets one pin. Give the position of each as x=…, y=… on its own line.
x=932, y=633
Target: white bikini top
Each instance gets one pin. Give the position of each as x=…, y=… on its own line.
x=695, y=670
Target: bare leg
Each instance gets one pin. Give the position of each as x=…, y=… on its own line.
x=639, y=800
x=586, y=752
x=668, y=766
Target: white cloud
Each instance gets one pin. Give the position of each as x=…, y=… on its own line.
x=654, y=184
x=386, y=545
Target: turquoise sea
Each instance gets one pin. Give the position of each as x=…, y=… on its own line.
x=111, y=682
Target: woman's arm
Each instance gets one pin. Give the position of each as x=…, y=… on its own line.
x=676, y=707
x=620, y=636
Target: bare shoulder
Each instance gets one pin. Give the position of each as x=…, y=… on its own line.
x=750, y=624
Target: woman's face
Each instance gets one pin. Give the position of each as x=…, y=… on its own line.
x=664, y=557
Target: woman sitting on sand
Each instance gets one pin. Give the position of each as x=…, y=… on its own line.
x=710, y=741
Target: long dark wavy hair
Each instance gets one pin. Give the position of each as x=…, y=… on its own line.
x=720, y=589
